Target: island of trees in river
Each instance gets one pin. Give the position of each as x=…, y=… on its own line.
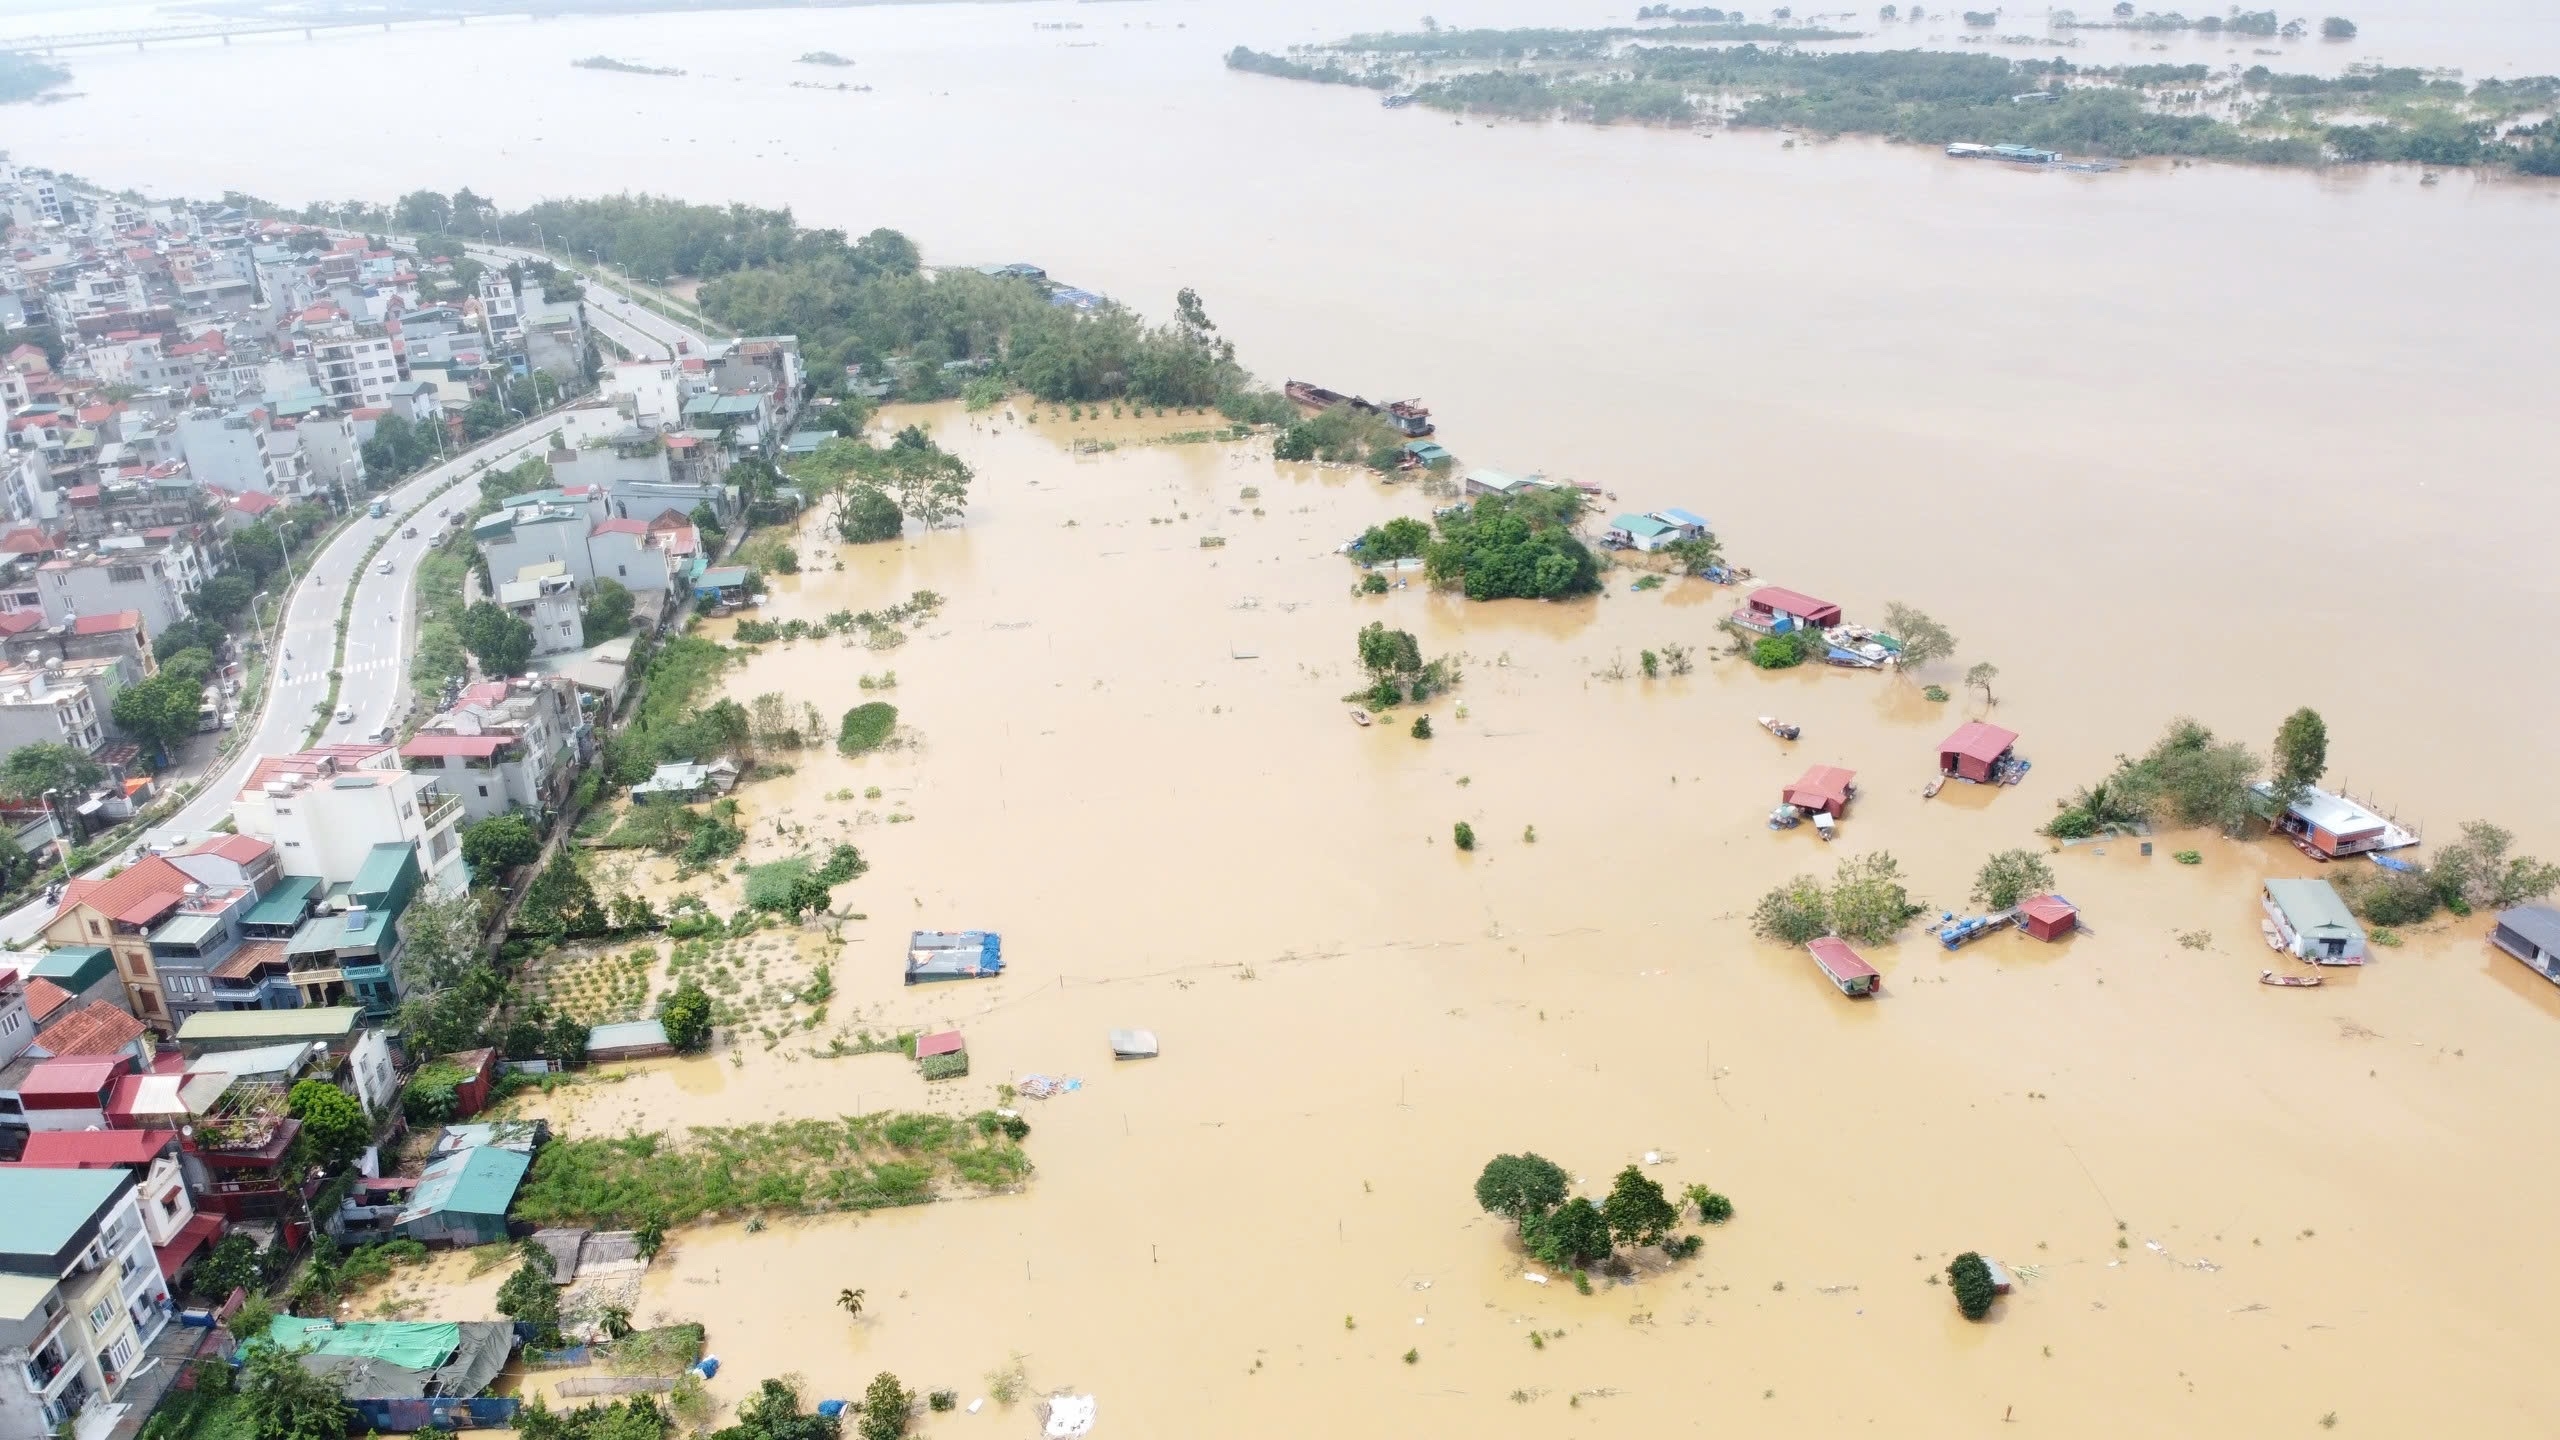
x=1679, y=75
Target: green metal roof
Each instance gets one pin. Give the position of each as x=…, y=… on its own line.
x=379, y=875
x=319, y=935
x=311, y=1024
x=284, y=904
x=187, y=930
x=46, y=1210
x=74, y=967
x=479, y=1181
x=2312, y=905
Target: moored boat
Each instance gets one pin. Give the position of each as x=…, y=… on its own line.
x=2291, y=982
x=1780, y=728
x=1359, y=716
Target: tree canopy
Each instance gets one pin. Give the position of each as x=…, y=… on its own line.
x=500, y=641
x=2009, y=877
x=162, y=711
x=286, y=1401
x=685, y=1014
x=1923, y=639
x=332, y=1121
x=1506, y=547
x=1521, y=1185
x=499, y=844
x=33, y=769
x=2301, y=753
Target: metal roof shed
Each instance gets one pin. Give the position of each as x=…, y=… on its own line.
x=628, y=1040
x=2048, y=917
x=462, y=1199
x=1778, y=600
x=1824, y=790
x=1975, y=751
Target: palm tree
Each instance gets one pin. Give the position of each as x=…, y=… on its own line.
x=850, y=1301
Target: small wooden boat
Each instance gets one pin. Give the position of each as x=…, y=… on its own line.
x=1936, y=784
x=2296, y=982
x=1359, y=716
x=1780, y=728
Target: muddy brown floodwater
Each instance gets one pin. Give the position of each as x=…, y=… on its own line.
x=2242, y=1208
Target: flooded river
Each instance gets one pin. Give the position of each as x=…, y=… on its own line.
x=2200, y=440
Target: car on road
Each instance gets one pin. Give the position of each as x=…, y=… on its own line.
x=345, y=715
x=382, y=569
x=380, y=734
x=411, y=533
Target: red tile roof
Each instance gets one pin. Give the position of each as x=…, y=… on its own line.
x=19, y=622
x=44, y=997
x=1795, y=602
x=946, y=1042
x=254, y=502
x=1824, y=787
x=140, y=894
x=94, y=1149
x=618, y=527
x=29, y=540
x=96, y=1028
x=106, y=624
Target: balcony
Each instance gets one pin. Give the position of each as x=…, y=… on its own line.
x=46, y=1368
x=440, y=808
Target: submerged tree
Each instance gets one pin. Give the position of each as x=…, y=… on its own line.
x=1793, y=913
x=1970, y=1276
x=1520, y=1186
x=1980, y=678
x=1637, y=1211
x=2301, y=755
x=2011, y=876
x=1923, y=639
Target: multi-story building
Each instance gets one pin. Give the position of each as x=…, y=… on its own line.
x=81, y=1294
x=326, y=809
x=124, y=913
x=355, y=365
x=504, y=745
x=126, y=572
x=40, y=705
x=501, y=310
x=169, y=1219
x=230, y=448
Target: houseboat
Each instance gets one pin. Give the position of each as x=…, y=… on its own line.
x=1978, y=753
x=2332, y=827
x=2531, y=933
x=1410, y=418
x=1843, y=966
x=2311, y=922
x=1775, y=610
x=2023, y=155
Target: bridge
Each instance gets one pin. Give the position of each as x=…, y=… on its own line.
x=223, y=30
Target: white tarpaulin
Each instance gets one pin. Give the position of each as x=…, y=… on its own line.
x=1069, y=1415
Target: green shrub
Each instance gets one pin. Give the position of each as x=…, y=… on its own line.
x=866, y=727
x=1971, y=1279
x=2189, y=857
x=1465, y=835
x=1776, y=652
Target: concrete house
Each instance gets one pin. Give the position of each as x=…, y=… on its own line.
x=81, y=1295
x=504, y=745
x=545, y=596
x=326, y=809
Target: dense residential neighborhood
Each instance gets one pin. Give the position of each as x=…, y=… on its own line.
x=198, y=401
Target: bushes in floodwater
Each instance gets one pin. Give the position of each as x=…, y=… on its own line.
x=866, y=727
x=1970, y=1276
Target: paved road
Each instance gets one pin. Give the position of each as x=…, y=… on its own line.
x=644, y=332
x=380, y=633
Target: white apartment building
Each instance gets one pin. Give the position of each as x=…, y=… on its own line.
x=81, y=1296
x=38, y=705
x=324, y=810
x=357, y=368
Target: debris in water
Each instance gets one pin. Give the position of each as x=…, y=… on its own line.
x=1534, y=1278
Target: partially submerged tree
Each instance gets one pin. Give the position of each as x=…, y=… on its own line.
x=1923, y=639
x=1520, y=1186
x=2301, y=755
x=1868, y=901
x=2009, y=877
x=1970, y=1276
x=529, y=1297
x=1637, y=1211
x=1793, y=913
x=1980, y=678
x=685, y=1014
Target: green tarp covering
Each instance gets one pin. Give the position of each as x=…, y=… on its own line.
x=409, y=1344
